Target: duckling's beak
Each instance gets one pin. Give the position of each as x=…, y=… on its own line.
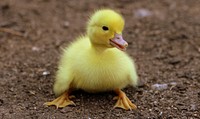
x=119, y=42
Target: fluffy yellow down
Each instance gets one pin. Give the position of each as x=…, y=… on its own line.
x=93, y=65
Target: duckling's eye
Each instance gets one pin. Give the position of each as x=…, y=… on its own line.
x=105, y=28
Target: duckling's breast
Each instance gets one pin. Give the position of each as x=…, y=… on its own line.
x=97, y=73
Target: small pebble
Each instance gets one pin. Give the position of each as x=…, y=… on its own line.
x=35, y=49
x=173, y=83
x=45, y=73
x=140, y=13
x=160, y=113
x=32, y=92
x=11, y=89
x=66, y=24
x=159, y=86
x=193, y=107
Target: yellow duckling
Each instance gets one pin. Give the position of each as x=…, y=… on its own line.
x=97, y=62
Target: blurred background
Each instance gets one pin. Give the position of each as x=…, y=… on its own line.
x=163, y=39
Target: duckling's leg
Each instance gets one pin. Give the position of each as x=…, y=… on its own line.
x=123, y=101
x=61, y=101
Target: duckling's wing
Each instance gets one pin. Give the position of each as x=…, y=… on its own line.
x=63, y=80
x=66, y=73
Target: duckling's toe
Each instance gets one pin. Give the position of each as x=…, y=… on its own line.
x=123, y=101
x=61, y=101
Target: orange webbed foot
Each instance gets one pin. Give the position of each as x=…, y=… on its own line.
x=61, y=101
x=123, y=101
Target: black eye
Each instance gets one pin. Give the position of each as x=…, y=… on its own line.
x=105, y=28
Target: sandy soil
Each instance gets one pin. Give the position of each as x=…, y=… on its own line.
x=164, y=41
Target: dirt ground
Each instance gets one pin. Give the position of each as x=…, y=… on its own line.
x=164, y=41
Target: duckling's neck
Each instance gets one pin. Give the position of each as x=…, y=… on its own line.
x=98, y=48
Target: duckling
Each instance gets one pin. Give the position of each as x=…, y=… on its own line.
x=96, y=62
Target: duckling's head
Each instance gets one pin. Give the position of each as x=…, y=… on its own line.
x=105, y=29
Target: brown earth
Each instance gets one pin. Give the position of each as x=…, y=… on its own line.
x=163, y=38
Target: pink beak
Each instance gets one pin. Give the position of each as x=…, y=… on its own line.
x=119, y=42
